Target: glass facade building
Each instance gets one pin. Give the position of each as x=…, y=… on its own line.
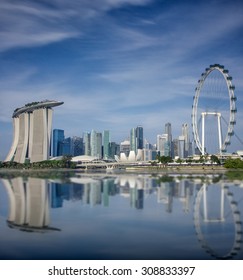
x=57, y=139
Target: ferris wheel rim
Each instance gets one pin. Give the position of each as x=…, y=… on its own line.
x=232, y=107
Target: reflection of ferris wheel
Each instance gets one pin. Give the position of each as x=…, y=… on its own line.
x=202, y=220
x=213, y=110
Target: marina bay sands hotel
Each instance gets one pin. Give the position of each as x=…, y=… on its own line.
x=32, y=125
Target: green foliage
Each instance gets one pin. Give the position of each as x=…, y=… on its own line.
x=46, y=164
x=214, y=159
x=233, y=163
x=164, y=159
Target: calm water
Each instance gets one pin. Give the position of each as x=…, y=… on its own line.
x=121, y=216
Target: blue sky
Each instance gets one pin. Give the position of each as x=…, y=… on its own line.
x=116, y=64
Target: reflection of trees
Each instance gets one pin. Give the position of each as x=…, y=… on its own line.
x=203, y=219
x=28, y=204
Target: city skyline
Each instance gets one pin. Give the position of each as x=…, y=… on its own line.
x=116, y=64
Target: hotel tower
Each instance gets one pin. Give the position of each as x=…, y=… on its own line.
x=32, y=132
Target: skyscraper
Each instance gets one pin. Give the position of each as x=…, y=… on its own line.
x=96, y=144
x=162, y=145
x=168, y=131
x=139, y=137
x=136, y=139
x=57, y=139
x=181, y=147
x=87, y=144
x=78, y=148
x=106, y=144
x=185, y=134
x=133, y=142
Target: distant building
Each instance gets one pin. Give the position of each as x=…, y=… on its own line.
x=77, y=146
x=133, y=140
x=32, y=132
x=106, y=144
x=136, y=138
x=181, y=147
x=125, y=147
x=87, y=144
x=188, y=144
x=57, y=139
x=139, y=137
x=96, y=144
x=114, y=149
x=175, y=148
x=163, y=145
x=168, y=131
x=67, y=146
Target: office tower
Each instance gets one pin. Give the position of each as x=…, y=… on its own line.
x=57, y=139
x=139, y=137
x=175, y=148
x=133, y=141
x=67, y=147
x=77, y=145
x=185, y=133
x=87, y=144
x=162, y=145
x=136, y=139
x=168, y=131
x=32, y=132
x=114, y=149
x=96, y=144
x=125, y=147
x=181, y=147
x=106, y=144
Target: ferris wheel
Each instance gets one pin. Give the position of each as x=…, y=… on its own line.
x=213, y=110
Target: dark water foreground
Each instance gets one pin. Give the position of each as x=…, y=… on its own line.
x=121, y=216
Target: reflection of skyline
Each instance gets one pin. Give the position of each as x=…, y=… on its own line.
x=30, y=201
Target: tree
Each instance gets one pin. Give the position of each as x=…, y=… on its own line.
x=66, y=160
x=214, y=159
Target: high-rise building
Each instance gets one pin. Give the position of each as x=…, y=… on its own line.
x=67, y=147
x=57, y=139
x=139, y=137
x=32, y=132
x=106, y=144
x=87, y=143
x=168, y=131
x=125, y=147
x=96, y=144
x=136, y=139
x=77, y=145
x=133, y=141
x=175, y=148
x=181, y=147
x=185, y=134
x=114, y=149
x=162, y=145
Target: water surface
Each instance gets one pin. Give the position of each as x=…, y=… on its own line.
x=121, y=216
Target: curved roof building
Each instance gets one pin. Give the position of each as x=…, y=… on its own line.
x=32, y=132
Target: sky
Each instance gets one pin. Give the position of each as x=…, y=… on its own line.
x=115, y=64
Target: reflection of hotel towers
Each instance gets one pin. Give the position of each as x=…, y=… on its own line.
x=182, y=189
x=32, y=132
x=29, y=204
x=201, y=199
